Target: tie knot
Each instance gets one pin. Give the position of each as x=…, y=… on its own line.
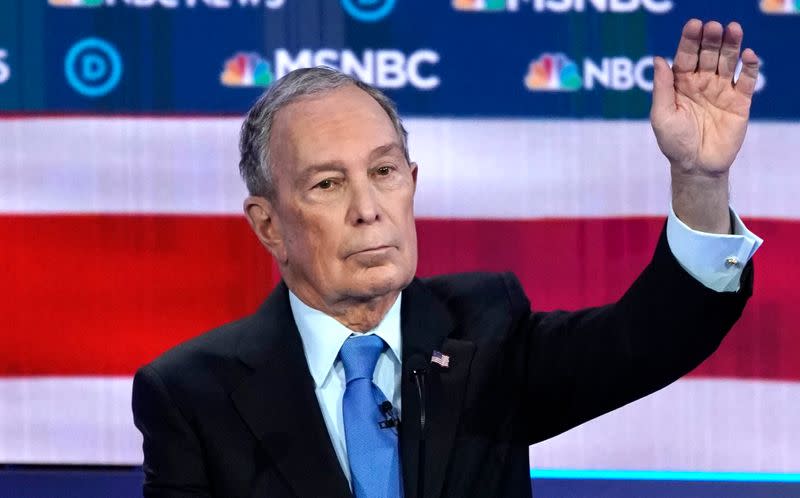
x=359, y=355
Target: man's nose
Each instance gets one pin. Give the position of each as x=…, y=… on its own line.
x=364, y=207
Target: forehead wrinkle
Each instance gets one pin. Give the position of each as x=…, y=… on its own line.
x=323, y=112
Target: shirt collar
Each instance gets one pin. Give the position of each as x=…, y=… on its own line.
x=323, y=336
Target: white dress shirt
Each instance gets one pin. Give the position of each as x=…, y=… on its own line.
x=322, y=338
x=716, y=261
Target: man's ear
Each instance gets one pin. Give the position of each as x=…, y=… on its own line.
x=266, y=225
x=414, y=170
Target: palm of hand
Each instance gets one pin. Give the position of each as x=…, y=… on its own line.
x=699, y=115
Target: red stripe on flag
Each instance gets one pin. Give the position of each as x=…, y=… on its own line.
x=104, y=294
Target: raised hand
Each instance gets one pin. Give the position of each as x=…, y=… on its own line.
x=699, y=115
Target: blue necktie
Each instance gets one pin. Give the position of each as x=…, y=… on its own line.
x=371, y=450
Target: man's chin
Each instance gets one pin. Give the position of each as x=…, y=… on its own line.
x=379, y=281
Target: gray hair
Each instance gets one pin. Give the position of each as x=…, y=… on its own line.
x=255, y=164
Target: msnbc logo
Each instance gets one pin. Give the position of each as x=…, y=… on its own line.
x=385, y=68
x=246, y=70
x=562, y=6
x=552, y=73
x=780, y=6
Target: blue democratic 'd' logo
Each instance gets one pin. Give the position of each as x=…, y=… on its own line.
x=93, y=67
x=368, y=10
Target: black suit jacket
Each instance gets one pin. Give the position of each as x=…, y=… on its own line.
x=233, y=413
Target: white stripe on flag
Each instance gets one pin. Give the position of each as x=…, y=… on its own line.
x=75, y=420
x=723, y=425
x=468, y=168
x=695, y=424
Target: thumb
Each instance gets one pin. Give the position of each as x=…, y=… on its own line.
x=663, y=89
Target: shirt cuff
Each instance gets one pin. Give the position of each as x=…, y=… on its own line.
x=715, y=260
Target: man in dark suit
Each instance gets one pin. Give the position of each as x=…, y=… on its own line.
x=356, y=379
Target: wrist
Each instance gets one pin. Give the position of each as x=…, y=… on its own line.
x=701, y=200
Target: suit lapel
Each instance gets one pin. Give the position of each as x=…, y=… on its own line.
x=426, y=324
x=278, y=403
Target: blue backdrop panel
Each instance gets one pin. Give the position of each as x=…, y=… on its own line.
x=432, y=57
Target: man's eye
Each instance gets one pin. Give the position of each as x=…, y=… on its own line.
x=325, y=184
x=384, y=170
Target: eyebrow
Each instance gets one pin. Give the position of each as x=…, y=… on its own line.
x=379, y=151
x=326, y=166
x=385, y=149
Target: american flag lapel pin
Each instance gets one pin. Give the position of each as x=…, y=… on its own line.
x=443, y=360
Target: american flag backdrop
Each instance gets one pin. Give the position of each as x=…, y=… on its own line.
x=121, y=230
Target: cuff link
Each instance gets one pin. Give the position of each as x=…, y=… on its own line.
x=731, y=261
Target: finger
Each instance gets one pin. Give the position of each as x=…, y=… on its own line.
x=710, y=47
x=746, y=84
x=689, y=47
x=729, y=54
x=663, y=89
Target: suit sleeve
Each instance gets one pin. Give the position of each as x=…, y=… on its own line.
x=173, y=459
x=579, y=365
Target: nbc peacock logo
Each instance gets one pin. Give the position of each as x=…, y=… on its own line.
x=480, y=5
x=75, y=3
x=247, y=69
x=780, y=6
x=553, y=73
